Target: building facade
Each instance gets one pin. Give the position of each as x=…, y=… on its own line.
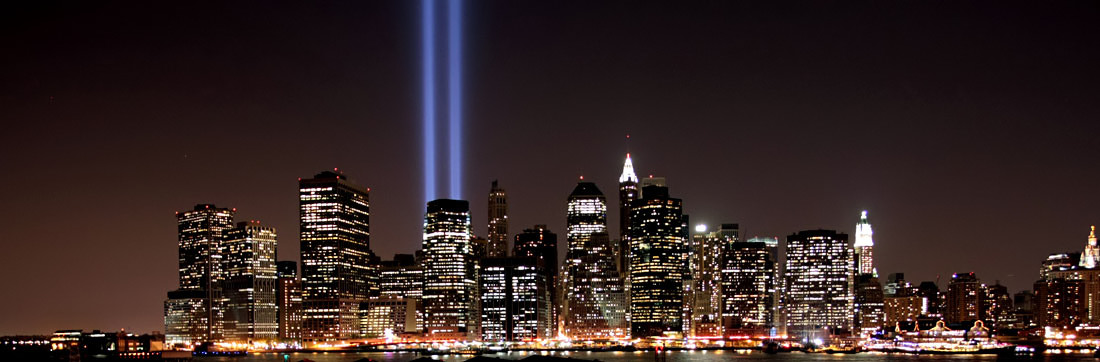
x=593, y=300
x=657, y=264
x=963, y=298
x=450, y=272
x=819, y=278
x=289, y=298
x=250, y=283
x=515, y=300
x=498, y=222
x=337, y=269
x=201, y=272
x=748, y=288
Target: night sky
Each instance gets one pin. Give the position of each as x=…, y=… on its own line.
x=967, y=129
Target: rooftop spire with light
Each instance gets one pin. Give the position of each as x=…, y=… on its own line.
x=628, y=171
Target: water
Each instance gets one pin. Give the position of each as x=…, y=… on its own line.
x=674, y=356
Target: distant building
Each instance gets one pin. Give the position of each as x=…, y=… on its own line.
x=963, y=298
x=748, y=286
x=932, y=299
x=656, y=264
x=1024, y=308
x=869, y=304
x=1061, y=303
x=250, y=283
x=498, y=222
x=707, y=253
x=338, y=272
x=389, y=316
x=538, y=242
x=186, y=317
x=819, y=283
x=628, y=192
x=515, y=300
x=593, y=301
x=450, y=272
x=864, y=246
x=201, y=276
x=401, y=278
x=996, y=306
x=289, y=297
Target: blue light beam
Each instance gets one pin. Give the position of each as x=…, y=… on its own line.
x=428, y=49
x=454, y=84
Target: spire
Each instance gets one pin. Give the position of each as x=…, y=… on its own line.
x=864, y=235
x=628, y=172
x=1091, y=257
x=1092, y=235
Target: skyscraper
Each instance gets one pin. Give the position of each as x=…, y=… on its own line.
x=963, y=298
x=864, y=245
x=498, y=222
x=538, y=242
x=748, y=287
x=289, y=296
x=628, y=192
x=708, y=250
x=515, y=300
x=250, y=283
x=593, y=306
x=201, y=272
x=336, y=258
x=869, y=304
x=401, y=277
x=450, y=271
x=819, y=283
x=657, y=264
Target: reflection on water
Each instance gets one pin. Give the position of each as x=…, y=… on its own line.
x=675, y=356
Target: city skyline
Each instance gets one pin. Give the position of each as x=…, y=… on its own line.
x=951, y=151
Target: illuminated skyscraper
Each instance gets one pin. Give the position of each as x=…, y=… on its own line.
x=708, y=249
x=250, y=283
x=289, y=297
x=657, y=264
x=498, y=222
x=748, y=286
x=963, y=298
x=515, y=300
x=450, y=272
x=864, y=246
x=201, y=273
x=628, y=192
x=869, y=304
x=337, y=273
x=593, y=306
x=1091, y=257
x=996, y=306
x=538, y=242
x=819, y=283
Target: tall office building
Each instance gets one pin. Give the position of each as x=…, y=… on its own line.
x=289, y=297
x=963, y=298
x=705, y=297
x=1060, y=303
x=250, y=283
x=593, y=303
x=628, y=192
x=995, y=308
x=819, y=283
x=538, y=242
x=869, y=304
x=202, y=273
x=515, y=300
x=657, y=264
x=498, y=222
x=450, y=272
x=748, y=288
x=864, y=246
x=337, y=273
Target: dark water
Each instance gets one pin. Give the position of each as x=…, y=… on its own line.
x=685, y=356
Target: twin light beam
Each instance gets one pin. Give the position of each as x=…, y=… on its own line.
x=452, y=103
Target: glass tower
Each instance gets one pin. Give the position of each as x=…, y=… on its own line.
x=657, y=264
x=819, y=284
x=250, y=283
x=450, y=271
x=593, y=305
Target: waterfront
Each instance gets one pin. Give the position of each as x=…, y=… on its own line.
x=674, y=356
